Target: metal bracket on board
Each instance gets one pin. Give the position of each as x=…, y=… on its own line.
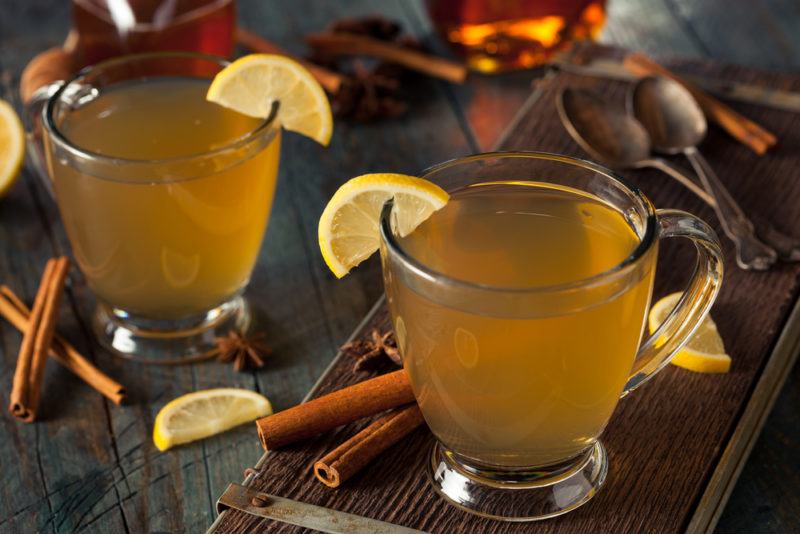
x=302, y=514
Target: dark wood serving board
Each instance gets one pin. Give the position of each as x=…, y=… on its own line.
x=678, y=443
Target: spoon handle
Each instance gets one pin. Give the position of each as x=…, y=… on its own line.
x=680, y=176
x=751, y=252
x=787, y=247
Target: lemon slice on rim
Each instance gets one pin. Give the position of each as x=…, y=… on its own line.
x=205, y=413
x=349, y=229
x=705, y=352
x=12, y=146
x=252, y=83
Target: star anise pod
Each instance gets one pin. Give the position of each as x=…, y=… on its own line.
x=370, y=94
x=244, y=352
x=373, y=351
x=373, y=89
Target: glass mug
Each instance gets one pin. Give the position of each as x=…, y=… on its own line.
x=165, y=199
x=518, y=370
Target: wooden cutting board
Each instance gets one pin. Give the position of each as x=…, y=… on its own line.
x=677, y=444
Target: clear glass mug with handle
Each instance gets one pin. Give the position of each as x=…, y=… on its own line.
x=165, y=198
x=518, y=382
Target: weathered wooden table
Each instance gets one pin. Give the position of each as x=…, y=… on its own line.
x=91, y=466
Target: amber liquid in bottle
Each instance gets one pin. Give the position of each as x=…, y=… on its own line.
x=497, y=35
x=109, y=28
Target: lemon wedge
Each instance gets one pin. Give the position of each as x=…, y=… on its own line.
x=251, y=84
x=204, y=413
x=349, y=229
x=705, y=352
x=12, y=146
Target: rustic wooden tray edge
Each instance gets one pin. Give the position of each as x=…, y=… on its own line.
x=751, y=421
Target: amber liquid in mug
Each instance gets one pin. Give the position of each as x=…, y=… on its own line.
x=164, y=247
x=520, y=386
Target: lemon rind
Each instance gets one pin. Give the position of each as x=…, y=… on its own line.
x=391, y=184
x=164, y=440
x=217, y=89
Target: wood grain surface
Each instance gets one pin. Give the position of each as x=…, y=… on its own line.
x=91, y=467
x=665, y=440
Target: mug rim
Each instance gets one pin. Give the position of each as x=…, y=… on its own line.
x=621, y=269
x=58, y=137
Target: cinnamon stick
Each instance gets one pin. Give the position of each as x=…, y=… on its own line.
x=348, y=44
x=747, y=132
x=335, y=409
x=14, y=311
x=355, y=453
x=331, y=81
x=26, y=388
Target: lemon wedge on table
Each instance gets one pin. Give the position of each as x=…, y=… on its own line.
x=12, y=146
x=349, y=228
x=705, y=352
x=252, y=83
x=205, y=413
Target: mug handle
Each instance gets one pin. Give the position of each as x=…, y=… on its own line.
x=694, y=304
x=40, y=79
x=34, y=136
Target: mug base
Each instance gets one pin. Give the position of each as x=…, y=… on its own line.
x=168, y=342
x=519, y=496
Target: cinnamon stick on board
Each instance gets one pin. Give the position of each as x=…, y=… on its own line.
x=14, y=311
x=349, y=44
x=355, y=453
x=747, y=132
x=335, y=409
x=328, y=79
x=26, y=388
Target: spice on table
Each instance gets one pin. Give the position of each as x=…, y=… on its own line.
x=350, y=44
x=747, y=132
x=378, y=60
x=244, y=352
x=351, y=456
x=371, y=94
x=14, y=311
x=26, y=388
x=335, y=409
x=370, y=353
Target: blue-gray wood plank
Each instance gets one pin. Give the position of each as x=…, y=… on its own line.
x=91, y=467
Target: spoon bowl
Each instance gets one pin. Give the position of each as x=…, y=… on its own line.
x=675, y=122
x=612, y=138
x=669, y=113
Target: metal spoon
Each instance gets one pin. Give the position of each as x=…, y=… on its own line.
x=613, y=137
x=677, y=124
